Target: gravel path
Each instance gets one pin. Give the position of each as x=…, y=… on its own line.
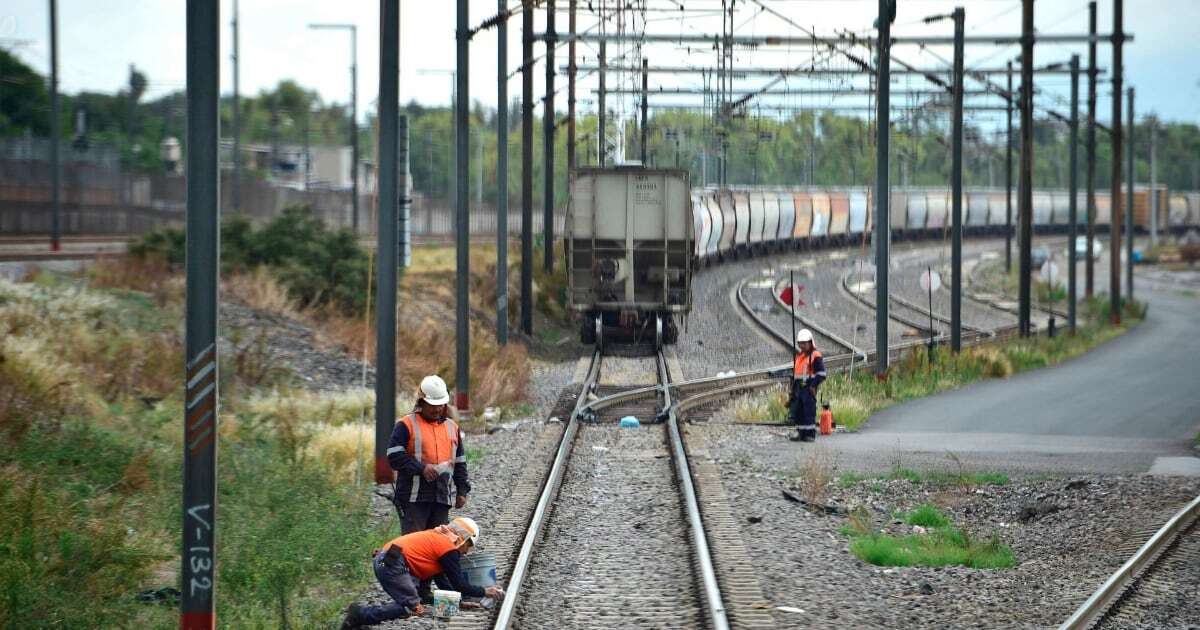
x=1073, y=534
x=615, y=553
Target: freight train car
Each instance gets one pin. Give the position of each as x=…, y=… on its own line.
x=629, y=245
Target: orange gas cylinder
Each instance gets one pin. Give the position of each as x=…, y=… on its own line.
x=826, y=420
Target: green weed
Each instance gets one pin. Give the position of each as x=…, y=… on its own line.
x=927, y=516
x=938, y=548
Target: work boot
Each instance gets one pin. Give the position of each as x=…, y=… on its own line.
x=353, y=617
x=808, y=438
x=796, y=437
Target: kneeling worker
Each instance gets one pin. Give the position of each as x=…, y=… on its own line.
x=424, y=555
x=807, y=375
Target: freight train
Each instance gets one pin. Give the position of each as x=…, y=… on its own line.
x=739, y=222
x=635, y=235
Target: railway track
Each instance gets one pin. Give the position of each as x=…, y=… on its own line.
x=628, y=521
x=608, y=545
x=1146, y=587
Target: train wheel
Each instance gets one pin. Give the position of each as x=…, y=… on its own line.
x=587, y=332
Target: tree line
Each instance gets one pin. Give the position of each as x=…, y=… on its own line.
x=806, y=148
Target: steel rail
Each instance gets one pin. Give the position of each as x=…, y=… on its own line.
x=708, y=573
x=1102, y=600
x=541, y=513
x=785, y=341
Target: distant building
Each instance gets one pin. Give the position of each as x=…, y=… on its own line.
x=323, y=166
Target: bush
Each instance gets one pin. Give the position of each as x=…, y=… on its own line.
x=318, y=266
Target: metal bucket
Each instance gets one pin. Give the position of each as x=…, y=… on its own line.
x=479, y=569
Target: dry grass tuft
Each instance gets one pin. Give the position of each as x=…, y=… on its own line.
x=814, y=473
x=345, y=451
x=149, y=274
x=260, y=289
x=766, y=407
x=992, y=361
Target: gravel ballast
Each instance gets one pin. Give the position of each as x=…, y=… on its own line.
x=1067, y=535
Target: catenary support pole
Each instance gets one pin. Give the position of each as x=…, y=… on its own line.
x=956, y=184
x=1073, y=178
x=404, y=221
x=548, y=125
x=502, y=172
x=645, y=111
x=883, y=221
x=527, y=166
x=1025, y=189
x=55, y=136
x=1152, y=128
x=602, y=127
x=570, y=91
x=1115, y=221
x=385, y=234
x=1129, y=207
x=1008, y=180
x=1090, y=263
x=237, y=118
x=462, y=223
x=199, y=552
x=354, y=128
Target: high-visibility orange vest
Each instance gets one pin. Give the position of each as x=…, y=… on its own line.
x=431, y=442
x=423, y=551
x=804, y=364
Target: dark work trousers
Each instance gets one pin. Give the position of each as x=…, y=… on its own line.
x=419, y=516
x=392, y=572
x=422, y=515
x=803, y=411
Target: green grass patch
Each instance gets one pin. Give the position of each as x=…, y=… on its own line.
x=927, y=516
x=942, y=544
x=939, y=548
x=475, y=455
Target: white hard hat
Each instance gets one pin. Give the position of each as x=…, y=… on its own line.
x=467, y=527
x=433, y=390
x=804, y=335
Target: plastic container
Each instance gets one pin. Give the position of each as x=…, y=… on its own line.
x=445, y=603
x=630, y=422
x=479, y=569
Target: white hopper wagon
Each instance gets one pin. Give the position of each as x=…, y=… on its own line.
x=629, y=252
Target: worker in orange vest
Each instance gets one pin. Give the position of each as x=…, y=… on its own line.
x=426, y=450
x=430, y=554
x=808, y=373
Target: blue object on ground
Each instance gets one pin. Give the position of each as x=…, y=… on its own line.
x=630, y=422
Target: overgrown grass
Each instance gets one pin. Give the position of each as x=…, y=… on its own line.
x=942, y=544
x=90, y=453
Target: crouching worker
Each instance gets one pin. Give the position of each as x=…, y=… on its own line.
x=430, y=554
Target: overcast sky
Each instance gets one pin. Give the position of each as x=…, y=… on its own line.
x=99, y=40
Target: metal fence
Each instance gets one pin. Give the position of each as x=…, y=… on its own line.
x=99, y=198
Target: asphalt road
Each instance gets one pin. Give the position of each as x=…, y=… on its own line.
x=1129, y=406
